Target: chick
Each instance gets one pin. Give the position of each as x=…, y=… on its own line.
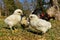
x=39, y=24
x=14, y=18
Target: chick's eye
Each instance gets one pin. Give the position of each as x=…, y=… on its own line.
x=19, y=12
x=31, y=17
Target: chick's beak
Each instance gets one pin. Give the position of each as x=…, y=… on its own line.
x=28, y=19
x=21, y=13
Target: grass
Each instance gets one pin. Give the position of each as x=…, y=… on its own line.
x=20, y=34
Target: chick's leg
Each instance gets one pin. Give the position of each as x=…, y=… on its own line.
x=11, y=29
